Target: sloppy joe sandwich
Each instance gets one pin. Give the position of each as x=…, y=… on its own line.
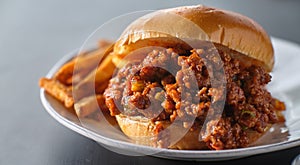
x=193, y=78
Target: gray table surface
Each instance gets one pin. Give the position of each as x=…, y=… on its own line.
x=35, y=34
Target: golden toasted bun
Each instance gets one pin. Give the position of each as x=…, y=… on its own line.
x=145, y=132
x=169, y=27
x=142, y=131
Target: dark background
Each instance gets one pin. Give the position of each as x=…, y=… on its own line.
x=35, y=34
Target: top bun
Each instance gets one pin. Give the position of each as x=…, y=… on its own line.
x=170, y=27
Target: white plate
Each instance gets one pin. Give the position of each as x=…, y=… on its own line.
x=285, y=85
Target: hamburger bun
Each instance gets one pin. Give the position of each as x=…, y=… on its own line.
x=145, y=132
x=167, y=28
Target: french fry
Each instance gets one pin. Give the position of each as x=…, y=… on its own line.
x=87, y=64
x=80, y=83
x=105, y=70
x=89, y=105
x=95, y=79
x=80, y=66
x=64, y=74
x=58, y=90
x=104, y=43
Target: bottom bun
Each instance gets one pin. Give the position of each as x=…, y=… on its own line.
x=145, y=132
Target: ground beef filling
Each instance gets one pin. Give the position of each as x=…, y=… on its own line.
x=168, y=86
